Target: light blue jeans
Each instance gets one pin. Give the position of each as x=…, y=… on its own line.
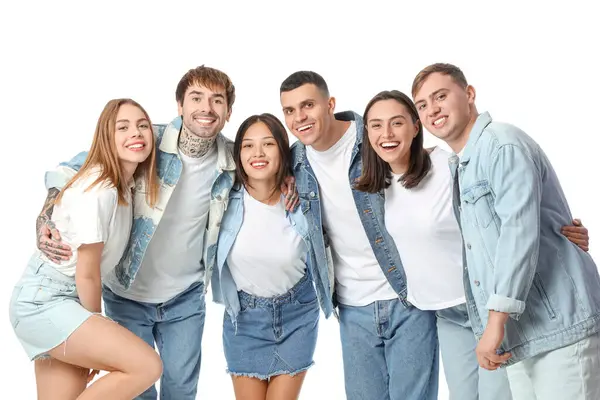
x=390, y=352
x=466, y=380
x=176, y=326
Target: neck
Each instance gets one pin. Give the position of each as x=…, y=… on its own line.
x=333, y=135
x=401, y=165
x=458, y=144
x=265, y=191
x=128, y=169
x=192, y=145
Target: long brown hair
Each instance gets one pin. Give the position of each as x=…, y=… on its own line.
x=103, y=154
x=281, y=138
x=376, y=173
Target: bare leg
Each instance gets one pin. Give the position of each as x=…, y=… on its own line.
x=247, y=388
x=104, y=345
x=59, y=381
x=285, y=387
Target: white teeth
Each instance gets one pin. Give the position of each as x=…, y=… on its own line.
x=135, y=146
x=389, y=144
x=259, y=164
x=305, y=127
x=439, y=121
x=203, y=120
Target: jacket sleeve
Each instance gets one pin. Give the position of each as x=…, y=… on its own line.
x=59, y=177
x=516, y=183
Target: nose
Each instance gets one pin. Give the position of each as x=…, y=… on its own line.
x=300, y=116
x=387, y=131
x=259, y=151
x=136, y=132
x=434, y=109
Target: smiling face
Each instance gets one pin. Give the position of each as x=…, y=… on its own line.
x=308, y=114
x=391, y=131
x=259, y=154
x=445, y=108
x=204, y=111
x=133, y=136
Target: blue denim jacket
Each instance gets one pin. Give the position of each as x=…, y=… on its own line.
x=511, y=210
x=370, y=207
x=223, y=286
x=146, y=219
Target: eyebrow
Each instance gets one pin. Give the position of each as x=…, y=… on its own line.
x=197, y=92
x=431, y=95
x=394, y=117
x=302, y=103
x=139, y=120
x=264, y=137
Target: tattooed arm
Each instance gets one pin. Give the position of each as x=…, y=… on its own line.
x=48, y=237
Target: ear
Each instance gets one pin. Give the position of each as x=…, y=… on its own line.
x=471, y=94
x=331, y=105
x=179, y=108
x=416, y=128
x=228, y=115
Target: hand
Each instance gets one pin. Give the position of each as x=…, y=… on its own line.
x=578, y=234
x=291, y=193
x=92, y=375
x=49, y=243
x=487, y=348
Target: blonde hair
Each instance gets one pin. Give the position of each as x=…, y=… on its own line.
x=103, y=154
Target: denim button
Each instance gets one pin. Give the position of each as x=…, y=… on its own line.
x=312, y=194
x=469, y=246
x=219, y=198
x=476, y=283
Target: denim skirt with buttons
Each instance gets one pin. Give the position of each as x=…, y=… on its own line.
x=273, y=336
x=45, y=309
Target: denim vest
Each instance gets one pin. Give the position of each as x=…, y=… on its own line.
x=223, y=286
x=370, y=208
x=511, y=208
x=146, y=219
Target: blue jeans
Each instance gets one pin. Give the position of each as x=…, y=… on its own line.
x=466, y=379
x=390, y=352
x=176, y=326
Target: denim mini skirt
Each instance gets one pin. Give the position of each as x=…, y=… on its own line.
x=273, y=336
x=44, y=308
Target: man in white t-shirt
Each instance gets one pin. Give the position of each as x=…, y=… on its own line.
x=389, y=347
x=157, y=289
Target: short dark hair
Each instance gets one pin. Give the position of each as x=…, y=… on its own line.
x=279, y=134
x=443, y=68
x=376, y=173
x=300, y=78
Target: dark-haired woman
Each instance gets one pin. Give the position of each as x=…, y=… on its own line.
x=264, y=256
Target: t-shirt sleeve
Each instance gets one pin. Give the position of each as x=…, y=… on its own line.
x=91, y=213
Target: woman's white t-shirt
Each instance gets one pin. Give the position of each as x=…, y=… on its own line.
x=92, y=216
x=422, y=223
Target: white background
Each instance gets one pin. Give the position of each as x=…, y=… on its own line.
x=533, y=65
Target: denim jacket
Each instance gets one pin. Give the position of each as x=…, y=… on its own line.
x=370, y=207
x=511, y=211
x=223, y=286
x=146, y=219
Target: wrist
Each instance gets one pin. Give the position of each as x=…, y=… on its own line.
x=497, y=318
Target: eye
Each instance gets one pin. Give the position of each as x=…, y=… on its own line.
x=310, y=104
x=421, y=107
x=218, y=101
x=246, y=146
x=397, y=123
x=288, y=112
x=122, y=128
x=144, y=126
x=269, y=144
x=375, y=126
x=196, y=99
x=441, y=97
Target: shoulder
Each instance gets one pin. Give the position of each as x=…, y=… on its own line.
x=87, y=189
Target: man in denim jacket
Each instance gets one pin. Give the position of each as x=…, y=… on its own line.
x=389, y=347
x=533, y=296
x=158, y=288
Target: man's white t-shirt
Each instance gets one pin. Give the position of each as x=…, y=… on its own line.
x=173, y=260
x=268, y=256
x=92, y=215
x=359, y=278
x=422, y=223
